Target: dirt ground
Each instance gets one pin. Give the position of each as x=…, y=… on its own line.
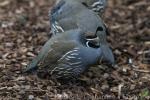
x=24, y=25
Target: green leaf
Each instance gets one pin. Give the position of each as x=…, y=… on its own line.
x=144, y=93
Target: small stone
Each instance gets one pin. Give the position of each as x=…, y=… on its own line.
x=124, y=70
x=132, y=87
x=114, y=89
x=8, y=44
x=16, y=87
x=21, y=78
x=130, y=61
x=30, y=54
x=21, y=92
x=117, y=52
x=31, y=97
x=106, y=75
x=105, y=87
x=4, y=25
x=65, y=96
x=27, y=87
x=24, y=64
x=18, y=72
x=23, y=50
x=58, y=96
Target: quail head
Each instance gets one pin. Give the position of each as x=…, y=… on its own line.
x=66, y=55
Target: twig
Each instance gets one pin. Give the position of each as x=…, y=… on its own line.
x=119, y=90
x=143, y=71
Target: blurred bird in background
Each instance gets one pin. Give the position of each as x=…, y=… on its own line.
x=71, y=14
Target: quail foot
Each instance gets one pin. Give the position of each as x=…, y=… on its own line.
x=66, y=55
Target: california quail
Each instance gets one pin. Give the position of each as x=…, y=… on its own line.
x=66, y=55
x=71, y=14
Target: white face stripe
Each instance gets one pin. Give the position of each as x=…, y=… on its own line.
x=99, y=5
x=58, y=27
x=54, y=27
x=87, y=44
x=98, y=9
x=96, y=3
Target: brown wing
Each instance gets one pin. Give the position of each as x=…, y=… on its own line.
x=57, y=50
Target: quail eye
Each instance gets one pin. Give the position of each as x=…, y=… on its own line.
x=91, y=37
x=92, y=44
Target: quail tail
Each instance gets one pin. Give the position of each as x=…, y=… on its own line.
x=32, y=66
